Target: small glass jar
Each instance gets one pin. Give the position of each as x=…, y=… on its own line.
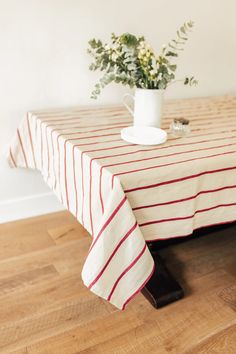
x=180, y=127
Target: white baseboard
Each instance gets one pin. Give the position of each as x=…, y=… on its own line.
x=21, y=208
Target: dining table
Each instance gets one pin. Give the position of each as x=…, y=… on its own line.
x=128, y=196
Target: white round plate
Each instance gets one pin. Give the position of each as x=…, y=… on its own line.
x=143, y=135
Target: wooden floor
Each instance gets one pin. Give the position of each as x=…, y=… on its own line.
x=45, y=308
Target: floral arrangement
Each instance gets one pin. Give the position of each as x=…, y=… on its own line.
x=131, y=61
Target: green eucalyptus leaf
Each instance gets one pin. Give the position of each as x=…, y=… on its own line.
x=121, y=61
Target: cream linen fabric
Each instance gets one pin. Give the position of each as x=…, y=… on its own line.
x=126, y=194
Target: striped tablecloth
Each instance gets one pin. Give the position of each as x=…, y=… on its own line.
x=126, y=194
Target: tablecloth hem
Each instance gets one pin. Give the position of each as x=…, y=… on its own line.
x=114, y=303
x=195, y=229
x=140, y=288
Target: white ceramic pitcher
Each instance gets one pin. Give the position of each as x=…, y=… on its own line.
x=147, y=107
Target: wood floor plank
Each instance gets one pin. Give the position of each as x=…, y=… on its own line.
x=41, y=298
x=66, y=257
x=12, y=246
x=184, y=333
x=87, y=335
x=20, y=351
x=221, y=342
x=18, y=237
x=150, y=325
x=42, y=222
x=228, y=295
x=67, y=233
x=26, y=279
x=45, y=308
x=58, y=319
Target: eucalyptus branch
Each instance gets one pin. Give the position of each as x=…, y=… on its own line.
x=129, y=60
x=186, y=81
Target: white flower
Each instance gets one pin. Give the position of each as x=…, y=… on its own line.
x=153, y=72
x=142, y=44
x=114, y=56
x=142, y=51
x=155, y=64
x=131, y=67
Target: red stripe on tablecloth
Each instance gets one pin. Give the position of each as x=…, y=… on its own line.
x=74, y=174
x=154, y=149
x=121, y=163
x=123, y=115
x=92, y=131
x=79, y=115
x=31, y=141
x=110, y=147
x=139, y=289
x=97, y=142
x=12, y=158
x=173, y=163
x=168, y=155
x=68, y=139
x=71, y=139
x=82, y=181
x=183, y=199
x=100, y=189
x=90, y=196
x=107, y=222
x=22, y=147
x=66, y=126
x=223, y=121
x=87, y=137
x=129, y=144
x=59, y=169
x=165, y=147
x=114, y=134
x=80, y=118
x=100, y=177
x=112, y=255
x=218, y=117
x=41, y=141
x=90, y=189
x=82, y=132
x=208, y=133
x=77, y=145
x=96, y=130
x=179, y=179
x=53, y=159
x=65, y=176
x=197, y=228
x=59, y=177
x=75, y=185
x=48, y=155
x=125, y=271
x=82, y=186
x=186, y=217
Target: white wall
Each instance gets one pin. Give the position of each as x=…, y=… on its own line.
x=43, y=63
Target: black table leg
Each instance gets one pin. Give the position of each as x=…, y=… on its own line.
x=162, y=289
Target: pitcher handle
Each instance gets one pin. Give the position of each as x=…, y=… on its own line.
x=126, y=95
